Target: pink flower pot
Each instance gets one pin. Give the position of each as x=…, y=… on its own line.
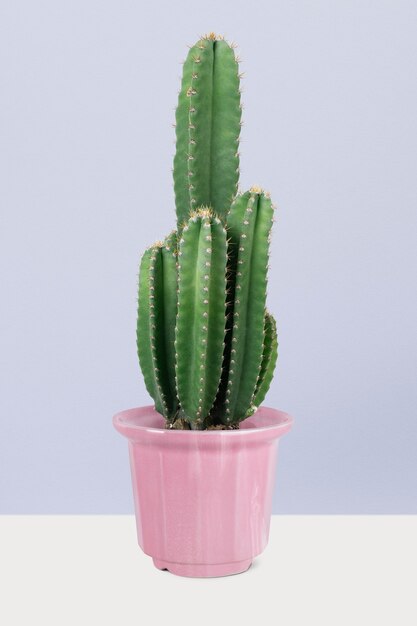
x=202, y=498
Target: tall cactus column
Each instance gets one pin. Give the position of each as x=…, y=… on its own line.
x=208, y=120
x=249, y=225
x=199, y=340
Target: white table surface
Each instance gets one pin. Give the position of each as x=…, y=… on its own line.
x=324, y=570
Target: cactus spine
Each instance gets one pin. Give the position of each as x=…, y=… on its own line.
x=207, y=346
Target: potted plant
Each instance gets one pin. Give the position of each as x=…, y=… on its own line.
x=203, y=457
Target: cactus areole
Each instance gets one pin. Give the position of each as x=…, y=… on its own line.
x=206, y=343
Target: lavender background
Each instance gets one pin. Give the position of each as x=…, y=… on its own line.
x=88, y=91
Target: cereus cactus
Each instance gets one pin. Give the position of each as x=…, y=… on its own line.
x=208, y=121
x=207, y=345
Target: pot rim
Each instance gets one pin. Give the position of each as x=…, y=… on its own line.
x=124, y=421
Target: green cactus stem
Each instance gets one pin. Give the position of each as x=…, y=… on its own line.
x=208, y=122
x=269, y=360
x=200, y=327
x=207, y=345
x=249, y=225
x=157, y=308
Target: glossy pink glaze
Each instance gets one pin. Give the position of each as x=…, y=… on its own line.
x=202, y=498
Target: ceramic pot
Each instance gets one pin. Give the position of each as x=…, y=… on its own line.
x=202, y=498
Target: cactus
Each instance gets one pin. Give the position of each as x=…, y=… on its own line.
x=208, y=121
x=249, y=222
x=207, y=345
x=156, y=323
x=200, y=328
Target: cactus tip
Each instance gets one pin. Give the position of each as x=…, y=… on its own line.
x=155, y=246
x=213, y=37
x=205, y=212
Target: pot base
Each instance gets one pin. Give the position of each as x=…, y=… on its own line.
x=201, y=570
